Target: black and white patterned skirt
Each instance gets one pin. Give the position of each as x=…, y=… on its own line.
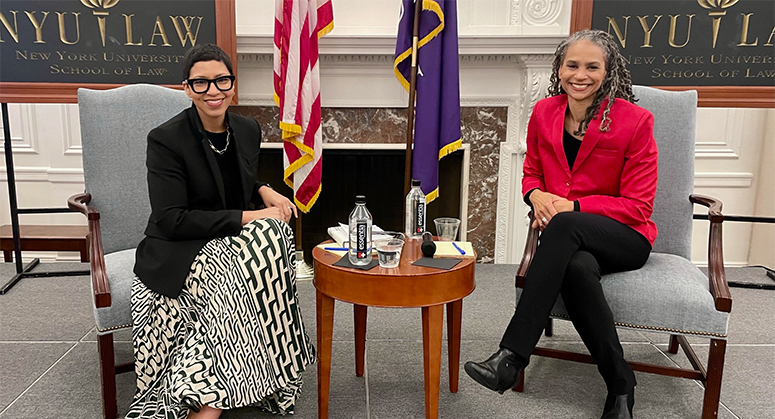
x=233, y=338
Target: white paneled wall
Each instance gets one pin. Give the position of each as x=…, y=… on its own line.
x=762, y=249
x=505, y=48
x=730, y=145
x=47, y=158
x=378, y=18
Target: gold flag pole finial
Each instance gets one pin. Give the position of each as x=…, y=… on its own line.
x=716, y=10
x=101, y=14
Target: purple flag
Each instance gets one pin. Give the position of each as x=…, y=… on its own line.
x=437, y=108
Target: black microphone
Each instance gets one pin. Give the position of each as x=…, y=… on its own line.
x=428, y=247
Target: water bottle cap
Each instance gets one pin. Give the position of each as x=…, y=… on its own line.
x=360, y=199
x=415, y=182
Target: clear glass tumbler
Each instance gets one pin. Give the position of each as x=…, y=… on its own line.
x=446, y=228
x=389, y=251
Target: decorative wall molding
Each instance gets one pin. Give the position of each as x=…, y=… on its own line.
x=542, y=12
x=512, y=220
x=256, y=100
x=723, y=180
x=482, y=101
x=509, y=159
x=704, y=151
x=253, y=58
x=267, y=59
x=489, y=58
x=71, y=129
x=333, y=44
x=22, y=117
x=45, y=175
x=468, y=101
x=465, y=182
x=26, y=174
x=74, y=150
x=359, y=58
x=538, y=58
x=29, y=123
x=65, y=175
x=726, y=144
x=515, y=13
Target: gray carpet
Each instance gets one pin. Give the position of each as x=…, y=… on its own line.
x=48, y=359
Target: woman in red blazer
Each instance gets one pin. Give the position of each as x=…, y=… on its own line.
x=590, y=176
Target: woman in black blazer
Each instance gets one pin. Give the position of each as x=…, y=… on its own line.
x=216, y=317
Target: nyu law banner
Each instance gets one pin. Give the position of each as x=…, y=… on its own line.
x=437, y=108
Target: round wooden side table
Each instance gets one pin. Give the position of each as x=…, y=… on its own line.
x=402, y=287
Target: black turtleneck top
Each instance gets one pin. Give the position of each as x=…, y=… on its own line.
x=227, y=164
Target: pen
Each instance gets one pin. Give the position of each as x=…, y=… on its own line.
x=462, y=252
x=341, y=249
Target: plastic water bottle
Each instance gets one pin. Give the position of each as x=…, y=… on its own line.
x=360, y=233
x=415, y=211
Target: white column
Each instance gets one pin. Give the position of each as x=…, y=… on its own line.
x=512, y=224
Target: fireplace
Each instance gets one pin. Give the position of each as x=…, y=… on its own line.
x=376, y=173
x=362, y=146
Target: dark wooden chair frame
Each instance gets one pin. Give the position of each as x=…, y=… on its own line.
x=710, y=377
x=101, y=286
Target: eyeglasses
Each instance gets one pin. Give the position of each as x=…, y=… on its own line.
x=223, y=83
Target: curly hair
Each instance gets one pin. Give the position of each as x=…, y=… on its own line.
x=617, y=82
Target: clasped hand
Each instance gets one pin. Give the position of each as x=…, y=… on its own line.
x=277, y=206
x=545, y=206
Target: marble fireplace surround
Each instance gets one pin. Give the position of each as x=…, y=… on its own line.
x=501, y=78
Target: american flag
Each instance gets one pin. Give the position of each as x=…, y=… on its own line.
x=298, y=26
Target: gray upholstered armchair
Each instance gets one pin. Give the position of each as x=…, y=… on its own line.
x=114, y=127
x=669, y=294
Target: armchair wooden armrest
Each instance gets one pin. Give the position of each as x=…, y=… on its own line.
x=718, y=280
x=100, y=282
x=527, y=256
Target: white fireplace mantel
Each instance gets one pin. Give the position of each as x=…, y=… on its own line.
x=495, y=70
x=334, y=44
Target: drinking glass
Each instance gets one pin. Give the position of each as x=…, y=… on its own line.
x=446, y=228
x=389, y=251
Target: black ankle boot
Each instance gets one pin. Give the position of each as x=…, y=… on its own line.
x=619, y=406
x=498, y=373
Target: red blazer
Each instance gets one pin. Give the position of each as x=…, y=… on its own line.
x=615, y=172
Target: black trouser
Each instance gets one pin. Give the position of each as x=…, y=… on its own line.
x=575, y=249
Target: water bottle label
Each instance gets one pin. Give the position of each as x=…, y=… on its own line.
x=361, y=245
x=419, y=217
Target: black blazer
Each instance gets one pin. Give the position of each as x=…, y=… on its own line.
x=188, y=203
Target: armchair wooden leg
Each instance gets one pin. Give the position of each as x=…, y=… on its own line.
x=713, y=383
x=549, y=329
x=520, y=387
x=673, y=344
x=107, y=376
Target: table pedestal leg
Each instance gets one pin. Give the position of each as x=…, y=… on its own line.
x=325, y=326
x=454, y=319
x=432, y=320
x=359, y=313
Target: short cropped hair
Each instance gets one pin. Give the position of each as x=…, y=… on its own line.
x=205, y=52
